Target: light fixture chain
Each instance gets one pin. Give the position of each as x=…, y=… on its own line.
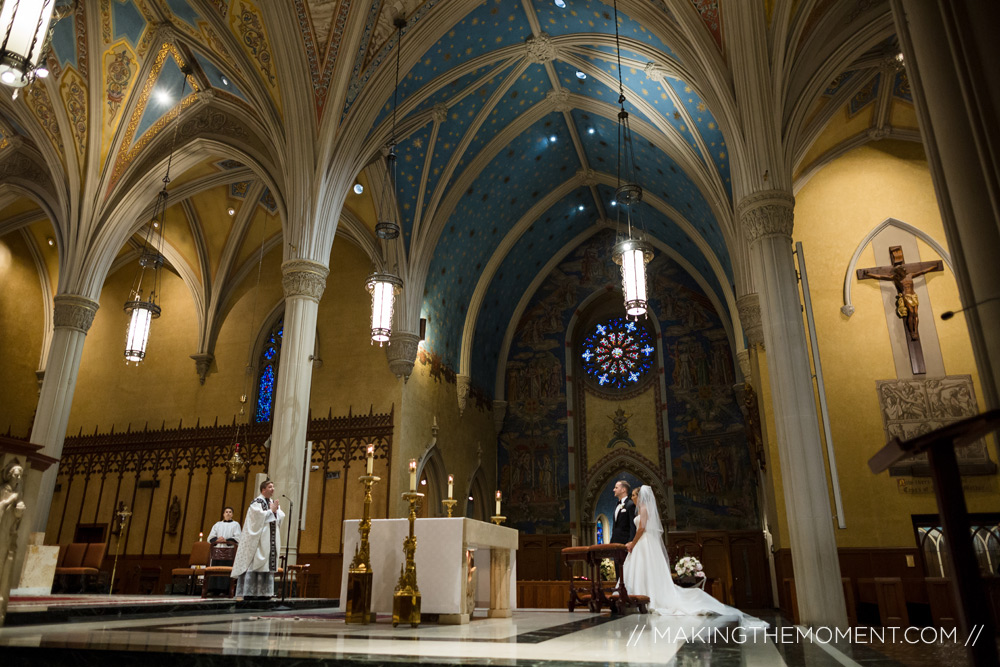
x=6, y=37
x=34, y=37
x=618, y=51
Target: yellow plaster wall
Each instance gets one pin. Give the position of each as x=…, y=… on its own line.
x=354, y=374
x=833, y=212
x=838, y=130
x=42, y=231
x=642, y=413
x=903, y=115
x=19, y=206
x=250, y=250
x=22, y=325
x=363, y=206
x=165, y=387
x=423, y=398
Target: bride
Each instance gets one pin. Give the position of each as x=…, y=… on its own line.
x=647, y=569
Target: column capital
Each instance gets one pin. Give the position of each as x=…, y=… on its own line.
x=72, y=311
x=748, y=306
x=767, y=213
x=402, y=353
x=303, y=277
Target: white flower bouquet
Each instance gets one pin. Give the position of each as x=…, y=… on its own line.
x=689, y=566
x=607, y=570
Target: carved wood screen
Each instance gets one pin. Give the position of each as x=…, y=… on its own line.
x=176, y=481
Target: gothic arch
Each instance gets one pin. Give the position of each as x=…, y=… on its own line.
x=478, y=490
x=431, y=467
x=623, y=462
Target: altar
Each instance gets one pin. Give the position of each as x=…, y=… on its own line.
x=447, y=549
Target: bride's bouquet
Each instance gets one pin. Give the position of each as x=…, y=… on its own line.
x=689, y=566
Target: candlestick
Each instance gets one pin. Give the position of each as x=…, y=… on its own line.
x=413, y=475
x=371, y=458
x=451, y=487
x=360, y=576
x=498, y=503
x=406, y=596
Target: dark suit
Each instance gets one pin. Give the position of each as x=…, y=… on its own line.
x=623, y=529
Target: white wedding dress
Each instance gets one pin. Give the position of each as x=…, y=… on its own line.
x=647, y=572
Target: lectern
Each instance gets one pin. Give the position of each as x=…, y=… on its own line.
x=967, y=585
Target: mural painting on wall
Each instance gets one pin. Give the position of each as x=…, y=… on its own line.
x=714, y=480
x=714, y=486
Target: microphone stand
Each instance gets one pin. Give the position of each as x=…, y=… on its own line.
x=284, y=572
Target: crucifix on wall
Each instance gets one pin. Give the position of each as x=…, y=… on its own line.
x=907, y=305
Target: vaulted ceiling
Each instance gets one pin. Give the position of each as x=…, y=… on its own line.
x=507, y=135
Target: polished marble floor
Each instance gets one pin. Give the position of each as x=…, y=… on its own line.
x=540, y=637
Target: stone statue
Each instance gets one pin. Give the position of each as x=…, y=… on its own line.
x=11, y=511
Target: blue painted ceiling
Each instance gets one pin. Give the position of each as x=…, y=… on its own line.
x=540, y=158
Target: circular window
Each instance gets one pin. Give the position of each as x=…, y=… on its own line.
x=617, y=353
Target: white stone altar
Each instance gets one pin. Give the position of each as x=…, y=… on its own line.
x=39, y=569
x=442, y=567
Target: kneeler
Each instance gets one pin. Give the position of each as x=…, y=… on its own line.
x=613, y=596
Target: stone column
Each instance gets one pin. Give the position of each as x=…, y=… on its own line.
x=72, y=317
x=953, y=67
x=303, y=282
x=767, y=220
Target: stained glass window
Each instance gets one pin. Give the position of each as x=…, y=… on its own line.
x=618, y=353
x=268, y=374
x=600, y=532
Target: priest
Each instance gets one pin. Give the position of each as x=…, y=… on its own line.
x=257, y=556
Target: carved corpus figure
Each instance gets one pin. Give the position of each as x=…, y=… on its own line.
x=907, y=304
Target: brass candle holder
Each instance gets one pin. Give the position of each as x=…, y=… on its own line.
x=123, y=514
x=406, y=596
x=359, y=575
x=498, y=519
x=449, y=505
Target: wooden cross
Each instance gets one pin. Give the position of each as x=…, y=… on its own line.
x=902, y=275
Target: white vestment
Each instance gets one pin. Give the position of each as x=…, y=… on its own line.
x=225, y=530
x=260, y=544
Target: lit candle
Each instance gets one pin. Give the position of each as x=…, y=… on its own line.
x=413, y=475
x=201, y=536
x=451, y=486
x=371, y=458
x=498, y=503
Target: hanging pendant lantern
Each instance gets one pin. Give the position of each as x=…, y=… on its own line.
x=633, y=256
x=383, y=287
x=24, y=37
x=141, y=312
x=235, y=463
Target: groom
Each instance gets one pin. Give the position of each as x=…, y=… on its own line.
x=623, y=528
